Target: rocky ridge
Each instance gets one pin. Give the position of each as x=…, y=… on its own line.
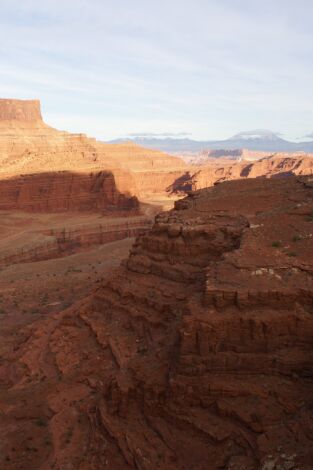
x=38, y=164
x=34, y=160
x=197, y=352
x=56, y=242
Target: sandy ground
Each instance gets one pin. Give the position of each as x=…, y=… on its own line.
x=30, y=290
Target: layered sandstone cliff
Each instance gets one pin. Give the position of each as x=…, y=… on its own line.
x=32, y=155
x=197, y=353
x=20, y=110
x=29, y=147
x=56, y=242
x=217, y=171
x=64, y=191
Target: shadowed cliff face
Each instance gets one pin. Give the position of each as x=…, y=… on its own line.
x=196, y=354
x=65, y=191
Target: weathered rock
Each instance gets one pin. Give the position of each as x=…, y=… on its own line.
x=195, y=354
x=57, y=242
x=30, y=150
x=38, y=164
x=20, y=110
x=67, y=191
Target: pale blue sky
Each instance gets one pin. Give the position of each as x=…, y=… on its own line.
x=209, y=68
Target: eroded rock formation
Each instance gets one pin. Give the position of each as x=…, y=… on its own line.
x=29, y=147
x=32, y=155
x=217, y=171
x=67, y=191
x=58, y=242
x=197, y=353
x=20, y=110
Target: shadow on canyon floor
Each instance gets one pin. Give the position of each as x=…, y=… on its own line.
x=183, y=184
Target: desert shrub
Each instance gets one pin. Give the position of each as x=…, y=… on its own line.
x=41, y=421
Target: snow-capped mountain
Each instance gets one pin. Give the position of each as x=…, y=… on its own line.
x=258, y=134
x=258, y=140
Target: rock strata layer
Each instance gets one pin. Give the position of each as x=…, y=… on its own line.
x=30, y=150
x=197, y=353
x=33, y=156
x=66, y=191
x=20, y=110
x=60, y=242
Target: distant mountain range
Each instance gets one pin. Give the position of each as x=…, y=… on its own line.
x=258, y=140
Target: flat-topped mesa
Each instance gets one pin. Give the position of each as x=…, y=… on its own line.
x=20, y=110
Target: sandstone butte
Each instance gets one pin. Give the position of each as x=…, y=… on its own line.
x=46, y=170
x=195, y=354
x=43, y=169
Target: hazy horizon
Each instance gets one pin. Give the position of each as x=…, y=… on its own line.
x=204, y=70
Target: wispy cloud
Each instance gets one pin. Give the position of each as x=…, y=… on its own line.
x=212, y=68
x=159, y=134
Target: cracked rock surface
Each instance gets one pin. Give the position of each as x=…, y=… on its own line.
x=195, y=354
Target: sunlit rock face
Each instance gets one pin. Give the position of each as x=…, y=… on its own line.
x=44, y=169
x=20, y=110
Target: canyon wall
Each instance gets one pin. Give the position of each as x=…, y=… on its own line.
x=67, y=191
x=33, y=155
x=197, y=353
x=216, y=172
x=56, y=242
x=29, y=147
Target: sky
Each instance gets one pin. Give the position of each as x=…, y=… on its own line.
x=203, y=68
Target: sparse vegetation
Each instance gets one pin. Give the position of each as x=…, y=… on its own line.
x=296, y=238
x=276, y=244
x=69, y=435
x=41, y=421
x=71, y=269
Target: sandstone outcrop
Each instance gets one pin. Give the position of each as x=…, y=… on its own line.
x=197, y=353
x=217, y=171
x=67, y=191
x=20, y=110
x=58, y=242
x=29, y=147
